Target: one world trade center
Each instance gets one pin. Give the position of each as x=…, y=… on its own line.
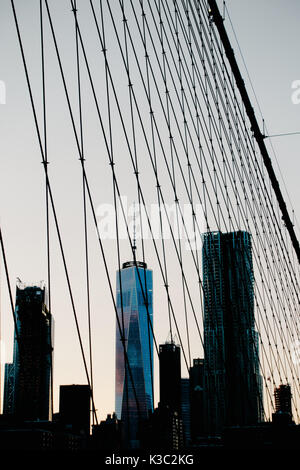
x=134, y=348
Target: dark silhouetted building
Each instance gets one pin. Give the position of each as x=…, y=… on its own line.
x=232, y=380
x=108, y=434
x=32, y=355
x=283, y=405
x=9, y=389
x=170, y=376
x=198, y=415
x=133, y=393
x=45, y=436
x=163, y=431
x=74, y=408
x=283, y=399
x=186, y=410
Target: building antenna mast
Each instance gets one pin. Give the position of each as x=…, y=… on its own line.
x=134, y=248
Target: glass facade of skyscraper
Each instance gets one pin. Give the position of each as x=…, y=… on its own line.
x=134, y=397
x=232, y=379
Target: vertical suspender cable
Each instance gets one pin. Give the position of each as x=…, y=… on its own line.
x=49, y=189
x=47, y=203
x=82, y=158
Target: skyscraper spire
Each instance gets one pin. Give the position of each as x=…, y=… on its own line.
x=134, y=234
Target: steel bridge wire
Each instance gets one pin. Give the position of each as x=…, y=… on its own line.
x=47, y=198
x=157, y=189
x=86, y=249
x=139, y=203
x=246, y=130
x=86, y=180
x=103, y=131
x=174, y=182
x=173, y=238
x=116, y=212
x=215, y=15
x=50, y=191
x=133, y=163
x=272, y=255
x=260, y=110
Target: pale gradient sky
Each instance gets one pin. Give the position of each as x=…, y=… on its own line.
x=268, y=33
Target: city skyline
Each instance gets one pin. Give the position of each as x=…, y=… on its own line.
x=22, y=213
x=222, y=394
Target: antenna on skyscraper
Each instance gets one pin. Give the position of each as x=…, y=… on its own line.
x=134, y=234
x=170, y=338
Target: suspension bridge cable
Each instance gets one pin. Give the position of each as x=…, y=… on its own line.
x=200, y=148
x=47, y=200
x=86, y=249
x=50, y=191
x=259, y=107
x=257, y=133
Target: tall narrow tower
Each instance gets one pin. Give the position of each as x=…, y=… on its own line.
x=133, y=394
x=283, y=399
x=32, y=354
x=170, y=376
x=232, y=378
